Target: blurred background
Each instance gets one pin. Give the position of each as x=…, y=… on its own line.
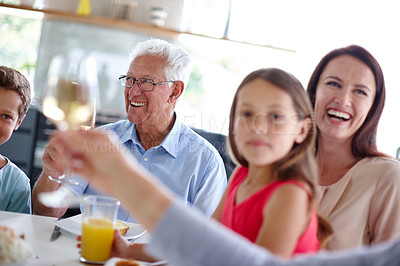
x=226, y=38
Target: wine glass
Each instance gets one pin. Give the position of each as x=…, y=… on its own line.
x=70, y=96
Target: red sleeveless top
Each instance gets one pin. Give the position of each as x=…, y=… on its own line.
x=246, y=218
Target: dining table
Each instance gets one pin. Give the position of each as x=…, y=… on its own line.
x=37, y=231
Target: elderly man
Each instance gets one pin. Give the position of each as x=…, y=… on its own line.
x=181, y=159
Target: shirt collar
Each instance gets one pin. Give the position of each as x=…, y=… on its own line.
x=129, y=133
x=169, y=143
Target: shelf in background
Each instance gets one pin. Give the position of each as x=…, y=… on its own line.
x=126, y=25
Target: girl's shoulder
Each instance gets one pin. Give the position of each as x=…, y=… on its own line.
x=287, y=184
x=287, y=195
x=290, y=182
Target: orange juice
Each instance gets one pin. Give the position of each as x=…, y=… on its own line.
x=97, y=238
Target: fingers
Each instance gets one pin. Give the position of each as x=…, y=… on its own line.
x=94, y=155
x=89, y=141
x=92, y=150
x=64, y=154
x=120, y=247
x=79, y=141
x=51, y=160
x=79, y=239
x=119, y=240
x=117, y=236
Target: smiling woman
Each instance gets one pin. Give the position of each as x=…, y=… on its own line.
x=345, y=93
x=359, y=190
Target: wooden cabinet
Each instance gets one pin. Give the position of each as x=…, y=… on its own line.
x=101, y=21
x=125, y=25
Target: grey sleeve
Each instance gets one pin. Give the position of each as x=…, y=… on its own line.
x=186, y=237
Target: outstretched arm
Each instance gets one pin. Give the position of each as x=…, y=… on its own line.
x=180, y=235
x=186, y=237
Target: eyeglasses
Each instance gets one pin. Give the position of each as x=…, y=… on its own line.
x=143, y=83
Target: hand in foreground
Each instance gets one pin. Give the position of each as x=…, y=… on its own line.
x=112, y=169
x=124, y=249
x=97, y=155
x=120, y=248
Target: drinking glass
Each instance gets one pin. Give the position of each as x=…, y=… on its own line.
x=70, y=96
x=99, y=215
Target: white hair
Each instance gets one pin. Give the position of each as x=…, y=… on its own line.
x=178, y=61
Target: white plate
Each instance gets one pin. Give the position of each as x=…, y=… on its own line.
x=74, y=225
x=114, y=261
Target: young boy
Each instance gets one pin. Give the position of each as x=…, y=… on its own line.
x=15, y=98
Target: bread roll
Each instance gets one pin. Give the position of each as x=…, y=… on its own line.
x=126, y=262
x=13, y=249
x=122, y=227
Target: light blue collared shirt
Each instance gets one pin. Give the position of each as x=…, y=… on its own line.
x=185, y=162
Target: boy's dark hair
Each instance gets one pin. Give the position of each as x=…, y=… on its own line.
x=11, y=79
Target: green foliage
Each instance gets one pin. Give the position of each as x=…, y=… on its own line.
x=195, y=81
x=19, y=42
x=194, y=92
x=11, y=2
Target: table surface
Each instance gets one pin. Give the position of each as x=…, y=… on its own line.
x=37, y=231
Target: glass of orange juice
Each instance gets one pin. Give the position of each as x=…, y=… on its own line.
x=98, y=214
